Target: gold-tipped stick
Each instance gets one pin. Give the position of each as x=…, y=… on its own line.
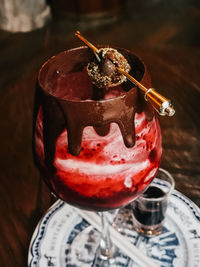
x=161, y=104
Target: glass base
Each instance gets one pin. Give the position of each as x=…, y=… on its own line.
x=84, y=251
x=148, y=230
x=83, y=248
x=105, y=260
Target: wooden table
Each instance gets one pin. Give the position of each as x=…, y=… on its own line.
x=166, y=35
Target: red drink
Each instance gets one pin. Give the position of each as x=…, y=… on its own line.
x=95, y=154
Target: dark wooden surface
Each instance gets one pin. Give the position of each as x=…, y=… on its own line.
x=166, y=35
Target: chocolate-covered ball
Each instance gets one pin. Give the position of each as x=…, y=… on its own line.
x=105, y=74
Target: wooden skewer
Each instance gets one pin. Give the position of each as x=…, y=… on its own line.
x=95, y=50
x=161, y=104
x=133, y=80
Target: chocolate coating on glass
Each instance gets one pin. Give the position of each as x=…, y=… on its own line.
x=60, y=113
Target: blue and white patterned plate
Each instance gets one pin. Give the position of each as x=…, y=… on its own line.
x=58, y=237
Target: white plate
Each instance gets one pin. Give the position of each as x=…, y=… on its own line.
x=58, y=236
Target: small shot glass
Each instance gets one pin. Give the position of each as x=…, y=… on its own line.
x=149, y=209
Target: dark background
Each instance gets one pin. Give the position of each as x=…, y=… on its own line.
x=165, y=34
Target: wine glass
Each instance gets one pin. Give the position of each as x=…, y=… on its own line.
x=94, y=153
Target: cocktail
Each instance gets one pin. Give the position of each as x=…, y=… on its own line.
x=97, y=144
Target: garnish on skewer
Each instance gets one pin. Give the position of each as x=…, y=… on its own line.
x=111, y=68
x=105, y=73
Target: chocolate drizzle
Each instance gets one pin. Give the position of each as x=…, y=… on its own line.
x=75, y=115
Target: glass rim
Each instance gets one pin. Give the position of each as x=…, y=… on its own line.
x=123, y=96
x=172, y=183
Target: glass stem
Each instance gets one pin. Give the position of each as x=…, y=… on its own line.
x=107, y=249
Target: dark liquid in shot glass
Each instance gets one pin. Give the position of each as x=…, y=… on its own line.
x=151, y=212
